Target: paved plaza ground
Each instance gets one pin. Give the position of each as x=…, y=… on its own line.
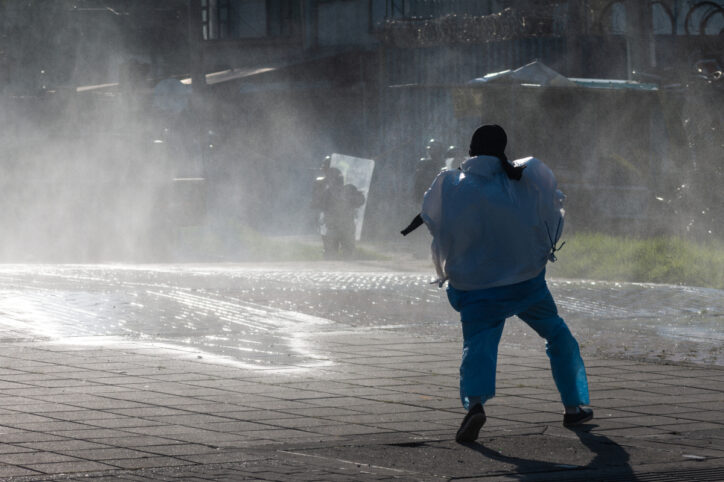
x=369, y=403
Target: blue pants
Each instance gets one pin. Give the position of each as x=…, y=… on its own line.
x=483, y=314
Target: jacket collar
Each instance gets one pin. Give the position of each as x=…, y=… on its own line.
x=482, y=166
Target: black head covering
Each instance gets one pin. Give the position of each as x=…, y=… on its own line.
x=490, y=140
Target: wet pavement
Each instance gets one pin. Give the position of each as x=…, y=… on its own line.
x=267, y=315
x=338, y=371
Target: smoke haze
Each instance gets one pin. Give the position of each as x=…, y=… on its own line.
x=109, y=153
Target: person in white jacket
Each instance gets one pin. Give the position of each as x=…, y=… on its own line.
x=495, y=225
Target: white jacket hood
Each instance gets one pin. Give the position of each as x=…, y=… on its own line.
x=489, y=230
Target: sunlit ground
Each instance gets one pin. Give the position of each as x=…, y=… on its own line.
x=269, y=315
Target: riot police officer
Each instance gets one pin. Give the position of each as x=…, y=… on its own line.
x=428, y=168
x=337, y=203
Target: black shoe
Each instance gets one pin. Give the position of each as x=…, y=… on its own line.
x=572, y=419
x=472, y=423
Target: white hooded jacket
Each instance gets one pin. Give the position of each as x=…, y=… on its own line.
x=489, y=230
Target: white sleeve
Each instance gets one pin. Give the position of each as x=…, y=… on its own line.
x=431, y=213
x=550, y=201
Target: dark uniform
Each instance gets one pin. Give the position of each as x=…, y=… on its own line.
x=428, y=168
x=338, y=203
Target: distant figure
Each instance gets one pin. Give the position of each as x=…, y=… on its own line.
x=320, y=187
x=428, y=168
x=454, y=157
x=337, y=203
x=495, y=225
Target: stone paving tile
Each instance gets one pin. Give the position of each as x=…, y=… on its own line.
x=6, y=400
x=20, y=437
x=14, y=449
x=90, y=402
x=54, y=426
x=60, y=383
x=435, y=403
x=108, y=453
x=359, y=391
x=191, y=419
x=382, y=382
x=97, y=389
x=622, y=403
x=62, y=446
x=85, y=416
x=421, y=388
x=614, y=384
x=180, y=449
x=610, y=424
x=256, y=415
x=680, y=390
x=147, y=411
x=45, y=408
x=536, y=417
x=122, y=423
x=26, y=459
x=660, y=420
x=686, y=411
x=243, y=401
x=634, y=431
x=683, y=399
x=519, y=404
x=524, y=391
x=130, y=440
x=13, y=387
x=221, y=457
x=21, y=418
x=385, y=417
x=630, y=395
x=164, y=430
x=306, y=423
x=399, y=397
x=90, y=434
x=350, y=373
x=216, y=438
x=410, y=427
x=603, y=413
x=320, y=411
x=691, y=426
x=123, y=380
x=541, y=397
x=171, y=376
x=375, y=407
x=715, y=405
x=304, y=395
x=340, y=402
x=682, y=386
x=219, y=408
x=7, y=471
x=704, y=416
x=28, y=377
x=147, y=462
x=345, y=429
x=246, y=387
x=200, y=392
x=239, y=426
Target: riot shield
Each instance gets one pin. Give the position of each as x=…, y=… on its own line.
x=358, y=172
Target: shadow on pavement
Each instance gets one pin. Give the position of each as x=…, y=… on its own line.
x=608, y=456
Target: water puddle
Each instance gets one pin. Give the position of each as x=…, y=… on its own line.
x=271, y=316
